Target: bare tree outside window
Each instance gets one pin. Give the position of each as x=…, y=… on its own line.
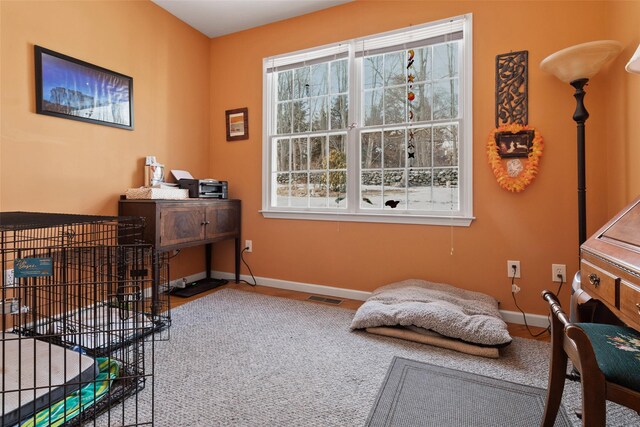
x=416, y=95
x=312, y=108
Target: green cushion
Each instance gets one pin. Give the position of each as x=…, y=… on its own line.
x=617, y=350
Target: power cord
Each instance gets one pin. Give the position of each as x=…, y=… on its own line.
x=248, y=268
x=561, y=277
x=524, y=316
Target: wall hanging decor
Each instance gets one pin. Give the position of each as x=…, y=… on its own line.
x=512, y=89
x=72, y=89
x=513, y=174
x=512, y=139
x=237, y=124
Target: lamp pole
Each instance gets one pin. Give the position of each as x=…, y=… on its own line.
x=580, y=116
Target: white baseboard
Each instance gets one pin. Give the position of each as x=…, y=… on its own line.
x=508, y=316
x=532, y=319
x=300, y=287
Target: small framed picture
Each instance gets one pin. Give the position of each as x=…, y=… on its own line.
x=514, y=144
x=237, y=124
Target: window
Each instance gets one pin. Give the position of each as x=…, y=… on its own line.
x=373, y=129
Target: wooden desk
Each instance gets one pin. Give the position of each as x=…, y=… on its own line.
x=176, y=224
x=610, y=265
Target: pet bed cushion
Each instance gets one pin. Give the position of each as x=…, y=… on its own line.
x=26, y=366
x=428, y=337
x=456, y=313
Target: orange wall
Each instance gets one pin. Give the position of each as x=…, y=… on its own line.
x=537, y=227
x=623, y=111
x=183, y=83
x=55, y=165
x=50, y=164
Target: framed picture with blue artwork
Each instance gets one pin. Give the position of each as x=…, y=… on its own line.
x=73, y=89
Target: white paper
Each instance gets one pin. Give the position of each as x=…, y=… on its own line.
x=178, y=174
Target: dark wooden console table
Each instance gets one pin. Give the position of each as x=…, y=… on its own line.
x=176, y=224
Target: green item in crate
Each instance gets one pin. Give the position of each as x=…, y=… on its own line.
x=80, y=400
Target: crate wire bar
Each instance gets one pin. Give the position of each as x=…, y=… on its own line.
x=80, y=316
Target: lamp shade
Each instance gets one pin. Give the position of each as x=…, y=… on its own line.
x=582, y=60
x=633, y=66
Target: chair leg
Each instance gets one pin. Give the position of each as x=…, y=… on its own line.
x=594, y=402
x=557, y=372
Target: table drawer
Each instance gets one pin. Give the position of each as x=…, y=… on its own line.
x=630, y=300
x=598, y=282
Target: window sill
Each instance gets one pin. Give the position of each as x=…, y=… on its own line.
x=455, y=221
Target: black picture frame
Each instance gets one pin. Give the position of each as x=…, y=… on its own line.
x=237, y=124
x=514, y=144
x=73, y=89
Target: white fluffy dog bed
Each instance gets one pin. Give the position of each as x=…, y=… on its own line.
x=436, y=314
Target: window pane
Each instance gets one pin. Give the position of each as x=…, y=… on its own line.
x=445, y=99
x=445, y=189
x=394, y=69
x=318, y=152
x=319, y=79
x=299, y=189
x=372, y=70
x=445, y=145
x=319, y=113
x=337, y=152
x=373, y=108
x=445, y=60
x=422, y=64
x=394, y=189
x=420, y=189
x=318, y=184
x=284, y=118
x=300, y=116
x=285, y=85
x=422, y=144
x=339, y=111
x=394, y=149
x=371, y=150
x=338, y=189
x=301, y=82
x=394, y=105
x=340, y=76
x=421, y=104
x=371, y=190
x=299, y=154
x=282, y=189
x=282, y=155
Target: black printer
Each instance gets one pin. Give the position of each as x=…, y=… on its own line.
x=205, y=188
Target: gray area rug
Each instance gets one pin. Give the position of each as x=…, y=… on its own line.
x=238, y=358
x=460, y=399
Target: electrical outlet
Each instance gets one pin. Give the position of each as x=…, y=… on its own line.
x=510, y=272
x=248, y=245
x=8, y=277
x=556, y=270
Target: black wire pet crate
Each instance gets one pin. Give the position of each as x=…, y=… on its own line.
x=81, y=310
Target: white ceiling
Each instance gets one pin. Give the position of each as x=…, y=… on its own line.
x=219, y=17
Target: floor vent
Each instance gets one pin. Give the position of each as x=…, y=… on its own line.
x=318, y=298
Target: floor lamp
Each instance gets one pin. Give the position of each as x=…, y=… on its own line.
x=633, y=66
x=576, y=65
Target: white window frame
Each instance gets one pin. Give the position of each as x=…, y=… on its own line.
x=463, y=217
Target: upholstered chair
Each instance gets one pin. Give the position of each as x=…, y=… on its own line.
x=607, y=358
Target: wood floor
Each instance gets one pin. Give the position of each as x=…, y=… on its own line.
x=514, y=329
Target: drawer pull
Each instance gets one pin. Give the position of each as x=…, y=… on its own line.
x=594, y=279
x=638, y=307
x=205, y=223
